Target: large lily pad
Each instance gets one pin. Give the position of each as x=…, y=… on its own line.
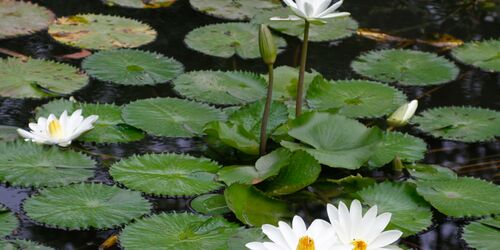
x=109, y=128
x=140, y=4
x=167, y=174
x=324, y=137
x=410, y=213
x=228, y=39
x=34, y=78
x=233, y=9
x=132, y=67
x=170, y=117
x=484, y=55
x=285, y=82
x=354, y=98
x=218, y=87
x=467, y=124
x=8, y=221
x=406, y=147
x=84, y=206
x=405, y=67
x=92, y=31
x=182, y=231
x=483, y=234
x=22, y=18
x=31, y=165
x=18, y=244
x=332, y=29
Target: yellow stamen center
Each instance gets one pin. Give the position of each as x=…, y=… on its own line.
x=359, y=245
x=306, y=243
x=55, y=129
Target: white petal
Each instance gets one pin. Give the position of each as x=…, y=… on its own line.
x=290, y=3
x=380, y=223
x=256, y=246
x=35, y=127
x=274, y=234
x=386, y=238
x=332, y=8
x=288, y=234
x=298, y=226
x=309, y=10
x=356, y=215
x=289, y=18
x=274, y=246
x=42, y=122
x=367, y=221
x=301, y=4
x=336, y=14
x=321, y=5
x=333, y=213
x=412, y=107
x=345, y=220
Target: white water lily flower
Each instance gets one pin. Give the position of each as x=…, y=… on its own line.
x=59, y=131
x=358, y=232
x=313, y=10
x=403, y=114
x=319, y=236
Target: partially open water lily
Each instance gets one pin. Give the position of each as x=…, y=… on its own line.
x=60, y=131
x=319, y=236
x=358, y=232
x=403, y=114
x=313, y=10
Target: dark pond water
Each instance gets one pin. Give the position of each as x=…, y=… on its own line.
x=414, y=19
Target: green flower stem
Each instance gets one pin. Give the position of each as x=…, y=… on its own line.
x=303, y=60
x=267, y=109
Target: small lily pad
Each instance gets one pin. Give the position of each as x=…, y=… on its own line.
x=140, y=4
x=101, y=32
x=484, y=55
x=423, y=172
x=467, y=124
x=233, y=9
x=482, y=235
x=167, y=174
x=461, y=197
x=405, y=67
x=218, y=87
x=407, y=147
x=109, y=128
x=22, y=18
x=132, y=67
x=285, y=82
x=171, y=117
x=8, y=221
x=181, y=231
x=35, y=78
x=85, y=206
x=354, y=98
x=211, y=204
x=18, y=244
x=228, y=39
x=30, y=165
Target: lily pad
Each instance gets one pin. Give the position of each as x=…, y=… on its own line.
x=35, y=78
x=167, y=174
x=228, y=39
x=482, y=235
x=410, y=213
x=324, y=137
x=484, y=55
x=405, y=67
x=423, y=172
x=467, y=124
x=17, y=244
x=243, y=236
x=30, y=165
x=461, y=197
x=407, y=147
x=182, y=231
x=332, y=29
x=132, y=67
x=233, y=9
x=218, y=87
x=211, y=204
x=109, y=128
x=101, y=32
x=140, y=4
x=8, y=221
x=354, y=98
x=285, y=82
x=85, y=206
x=170, y=117
x=22, y=18
x=8, y=133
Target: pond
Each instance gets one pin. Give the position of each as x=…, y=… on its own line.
x=411, y=24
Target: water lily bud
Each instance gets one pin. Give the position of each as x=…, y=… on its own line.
x=403, y=114
x=268, y=49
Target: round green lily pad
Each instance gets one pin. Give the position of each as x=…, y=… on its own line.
x=211, y=204
x=34, y=78
x=231, y=87
x=18, y=244
x=233, y=9
x=395, y=144
x=167, y=174
x=8, y=221
x=85, y=206
x=180, y=231
x=101, y=32
x=332, y=29
x=467, y=124
x=405, y=67
x=109, y=128
x=228, y=39
x=354, y=98
x=140, y=4
x=484, y=55
x=483, y=234
x=22, y=18
x=31, y=165
x=132, y=67
x=170, y=117
x=461, y=197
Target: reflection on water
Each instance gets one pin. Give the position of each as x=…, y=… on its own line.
x=412, y=19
